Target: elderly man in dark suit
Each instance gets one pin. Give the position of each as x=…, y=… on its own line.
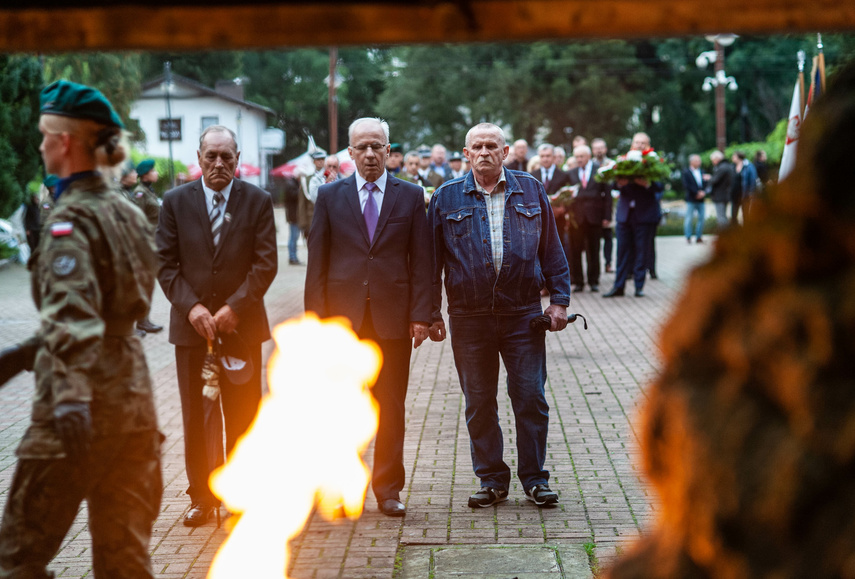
x=591, y=211
x=369, y=261
x=217, y=243
x=553, y=179
x=693, y=182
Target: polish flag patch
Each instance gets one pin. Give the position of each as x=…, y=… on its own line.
x=61, y=229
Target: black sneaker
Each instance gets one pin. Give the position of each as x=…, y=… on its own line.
x=487, y=496
x=541, y=495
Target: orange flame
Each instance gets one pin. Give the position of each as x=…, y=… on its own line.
x=303, y=449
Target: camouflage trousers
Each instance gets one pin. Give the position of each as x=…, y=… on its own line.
x=122, y=484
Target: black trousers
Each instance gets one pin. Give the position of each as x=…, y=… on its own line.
x=390, y=390
x=585, y=239
x=204, y=420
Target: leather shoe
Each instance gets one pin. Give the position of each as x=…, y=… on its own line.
x=198, y=515
x=639, y=293
x=392, y=508
x=609, y=269
x=578, y=288
x=615, y=291
x=147, y=326
x=653, y=275
x=595, y=288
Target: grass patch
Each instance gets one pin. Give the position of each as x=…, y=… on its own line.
x=592, y=558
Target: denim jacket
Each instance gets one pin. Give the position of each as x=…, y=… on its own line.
x=533, y=256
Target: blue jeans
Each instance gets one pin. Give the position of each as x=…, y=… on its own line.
x=294, y=231
x=691, y=208
x=477, y=343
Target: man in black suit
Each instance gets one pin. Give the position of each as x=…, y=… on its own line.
x=553, y=179
x=693, y=183
x=217, y=244
x=590, y=212
x=369, y=261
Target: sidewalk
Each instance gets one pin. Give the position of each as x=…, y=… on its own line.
x=595, y=387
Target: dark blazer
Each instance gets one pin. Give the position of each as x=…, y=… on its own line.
x=559, y=180
x=721, y=182
x=691, y=186
x=638, y=204
x=392, y=272
x=593, y=203
x=237, y=274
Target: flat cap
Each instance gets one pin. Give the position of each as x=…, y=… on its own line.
x=79, y=101
x=145, y=166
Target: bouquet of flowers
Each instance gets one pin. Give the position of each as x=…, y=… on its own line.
x=635, y=165
x=564, y=195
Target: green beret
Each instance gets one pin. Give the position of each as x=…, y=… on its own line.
x=79, y=101
x=145, y=166
x=396, y=148
x=51, y=181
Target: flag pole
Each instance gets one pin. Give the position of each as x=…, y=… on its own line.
x=801, y=58
x=820, y=60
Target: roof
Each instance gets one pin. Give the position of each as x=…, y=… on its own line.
x=201, y=88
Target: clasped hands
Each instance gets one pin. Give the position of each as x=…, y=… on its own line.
x=223, y=322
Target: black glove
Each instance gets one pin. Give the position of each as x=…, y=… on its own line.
x=18, y=358
x=73, y=422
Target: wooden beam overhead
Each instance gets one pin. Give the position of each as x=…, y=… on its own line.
x=50, y=25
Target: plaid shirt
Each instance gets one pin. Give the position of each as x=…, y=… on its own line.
x=495, y=217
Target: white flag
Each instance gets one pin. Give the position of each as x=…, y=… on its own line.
x=788, y=159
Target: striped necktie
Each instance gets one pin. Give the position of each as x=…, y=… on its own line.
x=217, y=217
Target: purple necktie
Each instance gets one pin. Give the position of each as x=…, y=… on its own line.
x=370, y=213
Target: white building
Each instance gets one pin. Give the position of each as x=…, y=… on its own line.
x=193, y=108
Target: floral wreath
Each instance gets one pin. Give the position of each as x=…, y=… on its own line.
x=635, y=165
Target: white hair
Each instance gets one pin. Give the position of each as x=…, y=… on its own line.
x=582, y=149
x=545, y=147
x=486, y=127
x=376, y=120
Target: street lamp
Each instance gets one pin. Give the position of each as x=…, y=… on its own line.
x=718, y=82
x=167, y=87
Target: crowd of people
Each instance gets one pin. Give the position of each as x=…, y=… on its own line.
x=499, y=230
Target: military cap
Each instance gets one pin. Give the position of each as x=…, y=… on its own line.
x=127, y=167
x=51, y=181
x=396, y=148
x=423, y=151
x=456, y=156
x=145, y=166
x=316, y=155
x=78, y=101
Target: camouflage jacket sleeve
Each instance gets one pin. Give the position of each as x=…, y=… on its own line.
x=70, y=302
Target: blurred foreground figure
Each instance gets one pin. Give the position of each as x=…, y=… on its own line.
x=749, y=433
x=93, y=433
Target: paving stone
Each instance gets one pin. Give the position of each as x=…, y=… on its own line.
x=595, y=388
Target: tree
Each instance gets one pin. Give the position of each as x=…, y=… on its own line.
x=204, y=67
x=20, y=83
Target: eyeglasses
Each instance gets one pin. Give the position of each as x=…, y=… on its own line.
x=376, y=147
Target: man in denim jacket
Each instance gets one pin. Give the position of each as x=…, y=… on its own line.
x=494, y=236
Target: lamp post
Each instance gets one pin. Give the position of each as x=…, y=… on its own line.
x=167, y=88
x=333, y=81
x=718, y=82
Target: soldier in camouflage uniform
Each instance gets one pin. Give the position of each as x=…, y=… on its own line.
x=128, y=181
x=146, y=199
x=93, y=433
x=144, y=195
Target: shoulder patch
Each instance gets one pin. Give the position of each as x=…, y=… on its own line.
x=61, y=228
x=139, y=194
x=64, y=265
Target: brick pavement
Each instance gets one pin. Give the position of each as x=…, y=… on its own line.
x=595, y=386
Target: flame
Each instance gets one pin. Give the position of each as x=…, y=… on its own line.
x=303, y=449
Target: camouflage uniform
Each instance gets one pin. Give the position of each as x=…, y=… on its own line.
x=146, y=200
x=92, y=276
